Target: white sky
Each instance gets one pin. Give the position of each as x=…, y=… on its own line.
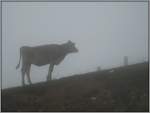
x=104, y=32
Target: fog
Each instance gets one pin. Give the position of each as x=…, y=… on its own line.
x=104, y=32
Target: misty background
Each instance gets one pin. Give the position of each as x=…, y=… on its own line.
x=104, y=32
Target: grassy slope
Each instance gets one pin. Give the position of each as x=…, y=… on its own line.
x=125, y=89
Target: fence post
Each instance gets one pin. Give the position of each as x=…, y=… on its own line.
x=125, y=60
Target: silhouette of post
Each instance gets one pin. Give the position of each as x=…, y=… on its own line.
x=125, y=60
x=98, y=68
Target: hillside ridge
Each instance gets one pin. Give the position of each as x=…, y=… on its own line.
x=77, y=75
x=116, y=89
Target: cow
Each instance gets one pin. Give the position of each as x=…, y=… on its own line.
x=51, y=54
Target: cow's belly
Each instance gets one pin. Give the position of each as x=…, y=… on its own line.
x=40, y=62
x=44, y=59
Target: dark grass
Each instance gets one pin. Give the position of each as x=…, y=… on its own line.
x=125, y=89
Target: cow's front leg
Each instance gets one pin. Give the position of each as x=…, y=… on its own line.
x=49, y=77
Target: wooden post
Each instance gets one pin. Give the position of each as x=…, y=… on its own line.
x=98, y=68
x=125, y=60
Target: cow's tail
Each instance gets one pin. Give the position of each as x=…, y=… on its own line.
x=19, y=60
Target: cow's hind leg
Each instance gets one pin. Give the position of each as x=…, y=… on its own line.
x=28, y=74
x=23, y=71
x=49, y=77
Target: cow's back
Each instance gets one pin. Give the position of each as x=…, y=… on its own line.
x=47, y=51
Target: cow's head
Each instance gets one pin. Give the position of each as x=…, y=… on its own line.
x=71, y=47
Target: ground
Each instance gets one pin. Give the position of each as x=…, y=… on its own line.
x=117, y=89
